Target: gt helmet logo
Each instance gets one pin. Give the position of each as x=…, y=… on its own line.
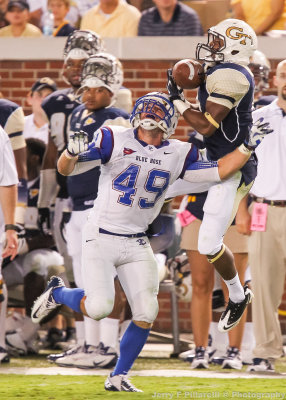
x=236, y=33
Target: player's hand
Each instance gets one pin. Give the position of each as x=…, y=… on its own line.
x=44, y=222
x=257, y=133
x=175, y=92
x=11, y=244
x=78, y=143
x=66, y=216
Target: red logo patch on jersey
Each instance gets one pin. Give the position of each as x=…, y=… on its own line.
x=127, y=151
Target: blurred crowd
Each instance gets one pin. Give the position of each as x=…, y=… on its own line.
x=122, y=18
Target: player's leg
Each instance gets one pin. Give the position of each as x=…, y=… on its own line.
x=139, y=279
x=219, y=209
x=202, y=285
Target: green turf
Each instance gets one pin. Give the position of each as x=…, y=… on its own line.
x=91, y=387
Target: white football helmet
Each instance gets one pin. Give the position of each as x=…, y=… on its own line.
x=102, y=70
x=155, y=105
x=81, y=44
x=232, y=40
x=260, y=67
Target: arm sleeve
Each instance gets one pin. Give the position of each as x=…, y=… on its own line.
x=226, y=87
x=200, y=170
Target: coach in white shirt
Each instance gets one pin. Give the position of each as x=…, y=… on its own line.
x=267, y=250
x=8, y=200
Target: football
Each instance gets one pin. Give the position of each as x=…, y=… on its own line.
x=188, y=74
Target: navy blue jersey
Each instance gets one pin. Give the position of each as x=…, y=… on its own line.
x=58, y=107
x=64, y=30
x=235, y=127
x=12, y=121
x=83, y=188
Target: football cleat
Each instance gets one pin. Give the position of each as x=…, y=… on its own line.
x=261, y=365
x=4, y=357
x=73, y=350
x=233, y=359
x=201, y=359
x=119, y=383
x=45, y=303
x=234, y=311
x=85, y=359
x=106, y=356
x=15, y=345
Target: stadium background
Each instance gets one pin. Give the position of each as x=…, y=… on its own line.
x=145, y=61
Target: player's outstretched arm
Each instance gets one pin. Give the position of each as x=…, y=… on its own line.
x=234, y=161
x=78, y=143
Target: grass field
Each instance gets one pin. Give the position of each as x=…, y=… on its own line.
x=41, y=387
x=59, y=387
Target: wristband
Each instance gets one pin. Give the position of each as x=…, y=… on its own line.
x=181, y=106
x=69, y=155
x=245, y=150
x=11, y=227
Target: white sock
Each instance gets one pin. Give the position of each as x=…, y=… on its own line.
x=235, y=289
x=109, y=332
x=220, y=340
x=92, y=331
x=248, y=342
x=79, y=330
x=3, y=311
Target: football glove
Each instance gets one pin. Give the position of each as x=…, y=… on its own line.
x=257, y=133
x=44, y=222
x=78, y=143
x=175, y=92
x=66, y=216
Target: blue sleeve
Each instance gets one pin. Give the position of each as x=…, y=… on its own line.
x=100, y=148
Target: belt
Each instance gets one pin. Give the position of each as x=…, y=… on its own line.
x=132, y=235
x=278, y=203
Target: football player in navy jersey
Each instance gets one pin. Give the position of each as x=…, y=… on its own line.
x=58, y=108
x=102, y=77
x=137, y=166
x=260, y=67
x=224, y=119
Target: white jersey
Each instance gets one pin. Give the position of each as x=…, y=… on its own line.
x=271, y=177
x=135, y=177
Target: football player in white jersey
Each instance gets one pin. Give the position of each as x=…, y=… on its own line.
x=137, y=166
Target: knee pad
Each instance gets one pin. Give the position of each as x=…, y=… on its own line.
x=145, y=307
x=209, y=244
x=98, y=308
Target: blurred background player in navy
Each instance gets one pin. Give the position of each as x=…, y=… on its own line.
x=101, y=79
x=58, y=108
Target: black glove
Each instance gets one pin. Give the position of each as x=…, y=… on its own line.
x=66, y=216
x=44, y=222
x=174, y=91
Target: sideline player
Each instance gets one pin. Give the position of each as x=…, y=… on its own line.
x=224, y=119
x=8, y=248
x=137, y=167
